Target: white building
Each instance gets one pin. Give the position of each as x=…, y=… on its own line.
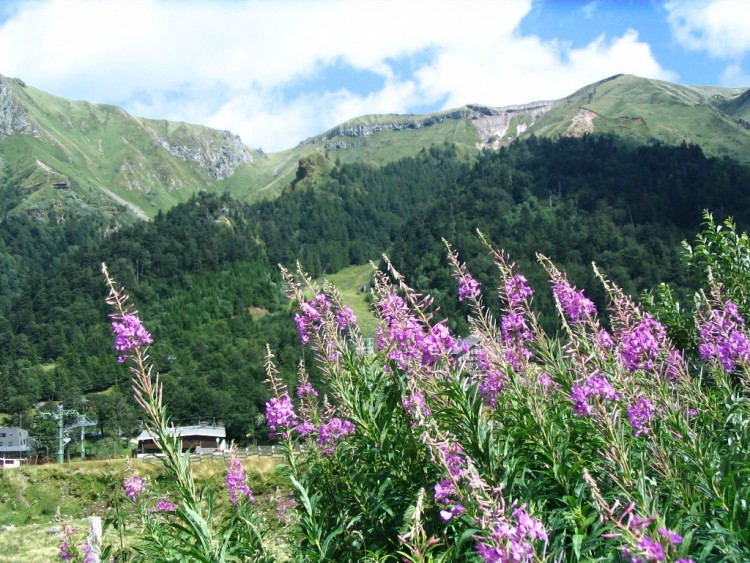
x=14, y=443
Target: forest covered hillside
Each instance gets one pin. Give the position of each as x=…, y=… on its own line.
x=204, y=274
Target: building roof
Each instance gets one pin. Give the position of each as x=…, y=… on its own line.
x=14, y=439
x=7, y=429
x=190, y=431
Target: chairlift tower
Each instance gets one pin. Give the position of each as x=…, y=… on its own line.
x=83, y=422
x=62, y=431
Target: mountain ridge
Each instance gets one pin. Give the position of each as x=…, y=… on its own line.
x=80, y=158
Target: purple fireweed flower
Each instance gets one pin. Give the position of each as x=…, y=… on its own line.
x=491, y=387
x=548, y=384
x=134, y=486
x=574, y=303
x=515, y=334
x=88, y=555
x=331, y=432
x=492, y=379
x=579, y=396
x=280, y=415
x=604, y=340
x=446, y=492
x=671, y=536
x=468, y=288
x=509, y=541
x=407, y=341
x=345, y=318
x=650, y=550
x=236, y=483
x=453, y=456
x=640, y=415
x=310, y=317
x=528, y=526
x=638, y=524
x=415, y=405
x=129, y=334
x=723, y=338
x=163, y=505
x=402, y=335
x=455, y=510
x=66, y=551
x=639, y=345
x=596, y=387
x=514, y=325
x=437, y=344
x=517, y=290
x=305, y=428
x=306, y=390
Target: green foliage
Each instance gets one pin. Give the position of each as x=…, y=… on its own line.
x=587, y=473
x=206, y=271
x=721, y=255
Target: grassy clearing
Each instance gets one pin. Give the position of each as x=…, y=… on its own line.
x=36, y=501
x=349, y=282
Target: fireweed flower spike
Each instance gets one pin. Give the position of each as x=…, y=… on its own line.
x=510, y=539
x=640, y=344
x=640, y=415
x=129, y=334
x=134, y=486
x=236, y=483
x=595, y=387
x=573, y=302
x=722, y=337
x=164, y=505
x=517, y=314
x=331, y=432
x=468, y=288
x=280, y=415
x=66, y=551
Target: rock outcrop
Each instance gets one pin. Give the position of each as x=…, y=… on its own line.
x=365, y=130
x=217, y=155
x=495, y=125
x=498, y=126
x=14, y=117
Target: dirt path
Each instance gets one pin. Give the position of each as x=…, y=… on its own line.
x=137, y=210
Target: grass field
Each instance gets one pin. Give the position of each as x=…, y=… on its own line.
x=350, y=282
x=36, y=501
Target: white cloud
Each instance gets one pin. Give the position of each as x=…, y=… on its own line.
x=734, y=77
x=235, y=65
x=589, y=9
x=720, y=27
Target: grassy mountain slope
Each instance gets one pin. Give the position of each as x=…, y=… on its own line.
x=642, y=110
x=106, y=158
x=118, y=164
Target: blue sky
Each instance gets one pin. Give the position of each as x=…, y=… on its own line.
x=276, y=72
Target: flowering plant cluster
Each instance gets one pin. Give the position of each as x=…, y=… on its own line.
x=509, y=446
x=186, y=527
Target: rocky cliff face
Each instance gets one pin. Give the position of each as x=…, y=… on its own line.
x=362, y=130
x=217, y=155
x=495, y=125
x=14, y=117
x=498, y=126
